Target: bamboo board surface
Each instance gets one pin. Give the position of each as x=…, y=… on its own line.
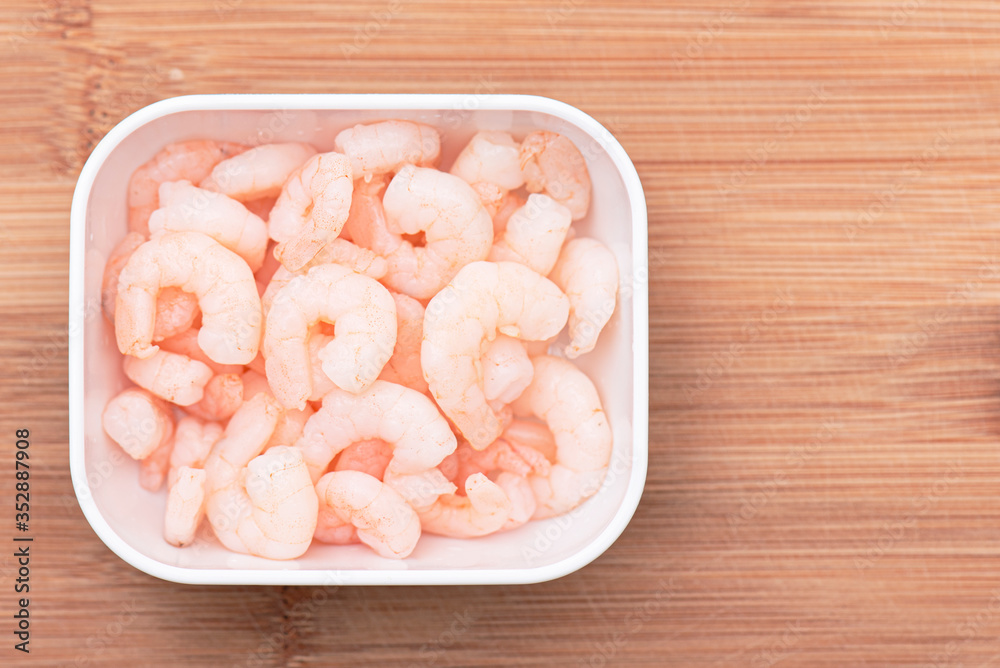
x=824, y=479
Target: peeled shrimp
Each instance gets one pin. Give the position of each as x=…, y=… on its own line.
x=176, y=378
x=507, y=370
x=184, y=207
x=263, y=505
x=189, y=160
x=552, y=163
x=371, y=456
x=484, y=299
x=421, y=490
x=457, y=230
x=186, y=343
x=153, y=468
x=384, y=520
x=522, y=499
x=176, y=310
x=193, y=441
x=588, y=273
x=196, y=263
x=566, y=399
x=138, y=422
x=185, y=506
x=311, y=209
x=338, y=251
x=258, y=172
x=403, y=366
x=483, y=510
x=490, y=157
x=378, y=148
x=404, y=418
x=534, y=234
x=508, y=205
x=364, y=317
x=222, y=397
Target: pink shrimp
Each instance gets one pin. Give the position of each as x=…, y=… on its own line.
x=385, y=146
x=403, y=366
x=552, y=163
x=189, y=160
x=170, y=376
x=138, y=422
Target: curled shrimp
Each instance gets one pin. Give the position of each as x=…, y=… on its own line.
x=385, y=146
x=534, y=234
x=457, y=230
x=566, y=399
x=403, y=366
x=483, y=510
x=364, y=318
x=176, y=378
x=193, y=441
x=221, y=280
x=259, y=172
x=186, y=343
x=184, y=207
x=338, y=251
x=138, y=422
x=311, y=209
x=552, y=163
x=223, y=395
x=490, y=157
x=189, y=160
x=185, y=506
x=507, y=370
x=260, y=504
x=588, y=273
x=384, y=520
x=176, y=310
x=484, y=299
x=404, y=418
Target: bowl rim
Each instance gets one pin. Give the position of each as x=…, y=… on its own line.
x=360, y=101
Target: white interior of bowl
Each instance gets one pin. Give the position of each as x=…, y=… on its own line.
x=129, y=519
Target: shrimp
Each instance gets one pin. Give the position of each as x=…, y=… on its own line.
x=403, y=366
x=258, y=172
x=193, y=441
x=371, y=456
x=153, y=469
x=176, y=310
x=410, y=422
x=138, y=422
x=196, y=263
x=553, y=163
x=484, y=299
x=263, y=505
x=588, y=273
x=384, y=520
x=490, y=157
x=366, y=223
x=188, y=160
x=364, y=317
x=420, y=490
x=186, y=343
x=456, y=228
x=185, y=506
x=483, y=510
x=254, y=383
x=338, y=251
x=385, y=146
x=533, y=442
x=566, y=399
x=510, y=203
x=184, y=207
x=176, y=378
x=289, y=427
x=507, y=370
x=311, y=209
x=222, y=397
x=534, y=234
x=117, y=260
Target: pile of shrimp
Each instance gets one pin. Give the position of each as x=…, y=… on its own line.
x=356, y=346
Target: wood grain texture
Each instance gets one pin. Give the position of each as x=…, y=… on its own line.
x=824, y=481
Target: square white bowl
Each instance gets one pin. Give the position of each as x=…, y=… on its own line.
x=129, y=519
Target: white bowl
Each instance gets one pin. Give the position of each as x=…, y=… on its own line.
x=129, y=519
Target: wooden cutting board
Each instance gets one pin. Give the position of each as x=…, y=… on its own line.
x=824, y=325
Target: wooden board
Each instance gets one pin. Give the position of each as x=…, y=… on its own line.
x=824, y=481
